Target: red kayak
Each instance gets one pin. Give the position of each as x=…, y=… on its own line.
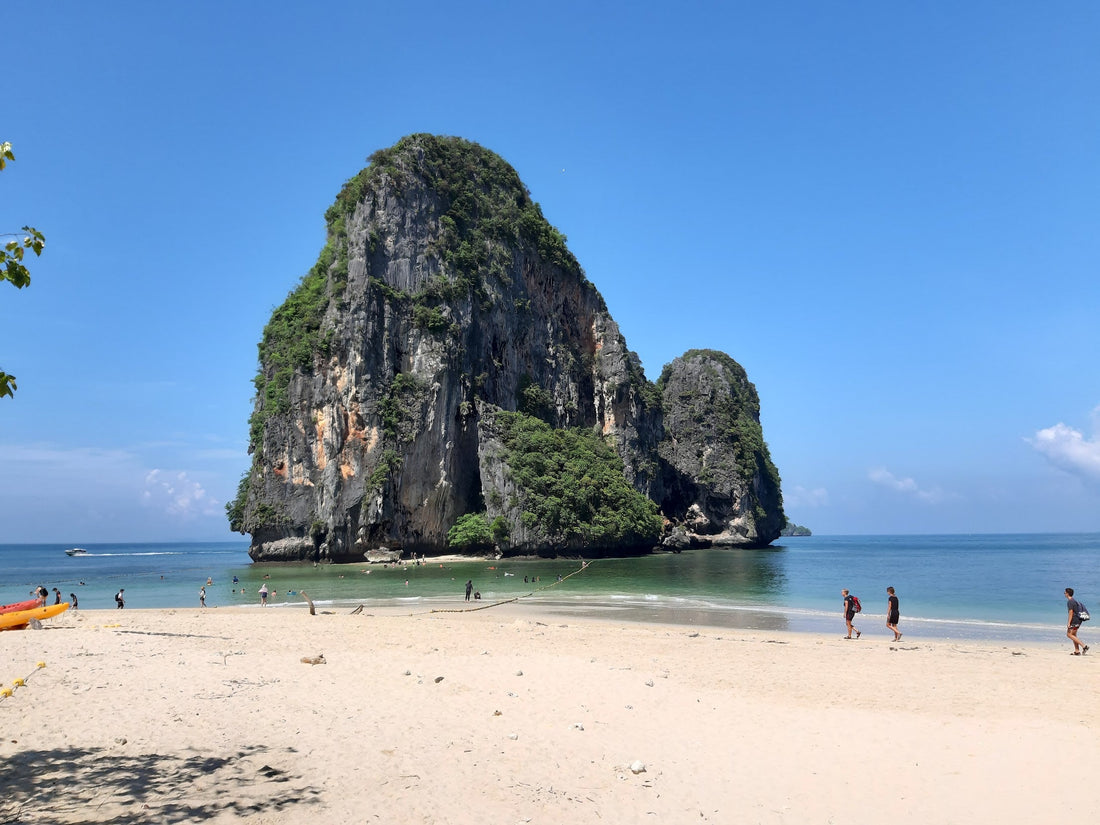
x=14, y=608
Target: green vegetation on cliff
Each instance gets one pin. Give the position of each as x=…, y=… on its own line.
x=487, y=211
x=474, y=532
x=734, y=417
x=572, y=487
x=487, y=214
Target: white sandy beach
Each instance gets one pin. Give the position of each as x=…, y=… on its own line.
x=503, y=716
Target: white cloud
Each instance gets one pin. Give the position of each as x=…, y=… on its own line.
x=178, y=495
x=799, y=496
x=1068, y=449
x=906, y=486
x=106, y=494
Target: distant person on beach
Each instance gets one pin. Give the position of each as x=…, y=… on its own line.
x=477, y=595
x=1074, y=622
x=40, y=593
x=202, y=597
x=469, y=588
x=72, y=600
x=849, y=613
x=120, y=600
x=893, y=613
x=263, y=595
x=56, y=596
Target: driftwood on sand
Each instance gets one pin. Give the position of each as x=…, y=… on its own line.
x=309, y=601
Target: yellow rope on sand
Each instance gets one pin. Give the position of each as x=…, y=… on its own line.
x=7, y=692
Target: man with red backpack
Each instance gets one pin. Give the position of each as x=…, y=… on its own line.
x=851, y=608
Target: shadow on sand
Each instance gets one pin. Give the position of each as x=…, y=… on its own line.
x=87, y=785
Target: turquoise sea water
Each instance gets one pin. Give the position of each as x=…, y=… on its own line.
x=1006, y=587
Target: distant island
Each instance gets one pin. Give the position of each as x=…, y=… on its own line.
x=792, y=529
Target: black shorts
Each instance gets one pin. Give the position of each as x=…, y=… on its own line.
x=893, y=618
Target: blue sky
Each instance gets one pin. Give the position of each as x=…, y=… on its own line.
x=886, y=212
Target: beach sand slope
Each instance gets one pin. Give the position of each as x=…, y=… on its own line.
x=509, y=716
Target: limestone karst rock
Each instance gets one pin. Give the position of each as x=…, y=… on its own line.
x=445, y=344
x=722, y=478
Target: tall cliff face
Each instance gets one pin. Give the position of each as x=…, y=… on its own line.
x=442, y=296
x=722, y=479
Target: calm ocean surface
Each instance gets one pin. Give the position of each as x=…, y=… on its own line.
x=994, y=587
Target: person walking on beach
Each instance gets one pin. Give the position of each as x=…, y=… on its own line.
x=56, y=596
x=120, y=600
x=469, y=588
x=263, y=595
x=849, y=613
x=893, y=613
x=202, y=597
x=72, y=600
x=1074, y=622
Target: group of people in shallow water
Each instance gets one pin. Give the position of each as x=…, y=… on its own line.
x=1077, y=615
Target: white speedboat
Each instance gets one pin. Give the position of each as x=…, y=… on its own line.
x=76, y=551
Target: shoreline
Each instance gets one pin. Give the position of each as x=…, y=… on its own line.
x=518, y=715
x=759, y=590
x=759, y=618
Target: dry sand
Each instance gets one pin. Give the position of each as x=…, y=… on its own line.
x=502, y=716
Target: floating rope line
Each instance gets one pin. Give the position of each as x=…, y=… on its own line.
x=6, y=693
x=584, y=566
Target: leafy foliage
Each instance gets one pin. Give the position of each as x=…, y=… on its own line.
x=473, y=531
x=469, y=532
x=430, y=319
x=533, y=399
x=486, y=210
x=387, y=466
x=400, y=405
x=292, y=339
x=12, y=267
x=235, y=509
x=572, y=485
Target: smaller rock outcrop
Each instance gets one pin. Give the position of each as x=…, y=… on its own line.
x=721, y=482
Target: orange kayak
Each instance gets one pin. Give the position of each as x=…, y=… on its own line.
x=21, y=618
x=15, y=608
